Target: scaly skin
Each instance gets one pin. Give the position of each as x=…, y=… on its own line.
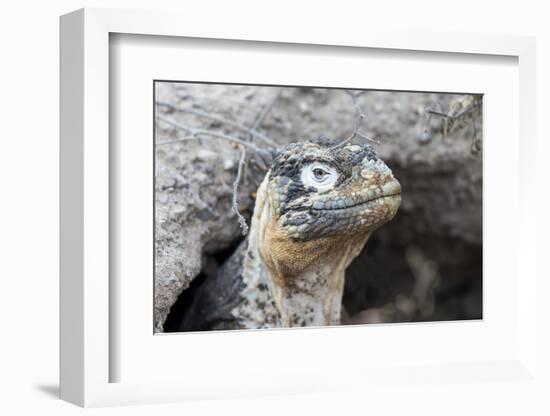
x=314, y=212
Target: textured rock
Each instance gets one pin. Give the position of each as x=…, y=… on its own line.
x=193, y=216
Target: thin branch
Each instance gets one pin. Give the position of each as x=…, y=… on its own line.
x=194, y=132
x=427, y=124
x=258, y=121
x=263, y=114
x=468, y=104
x=467, y=110
x=455, y=116
x=360, y=118
x=182, y=139
x=235, y=207
x=222, y=120
x=370, y=139
x=355, y=94
x=438, y=113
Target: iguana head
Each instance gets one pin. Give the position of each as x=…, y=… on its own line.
x=318, y=190
x=315, y=209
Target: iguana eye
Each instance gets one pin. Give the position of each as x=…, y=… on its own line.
x=319, y=175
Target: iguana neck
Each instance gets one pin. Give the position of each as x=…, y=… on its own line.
x=305, y=278
x=312, y=298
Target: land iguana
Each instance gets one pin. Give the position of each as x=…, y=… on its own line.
x=315, y=209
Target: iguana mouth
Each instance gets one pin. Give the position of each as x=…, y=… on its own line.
x=333, y=206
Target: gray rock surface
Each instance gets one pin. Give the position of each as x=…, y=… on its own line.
x=193, y=215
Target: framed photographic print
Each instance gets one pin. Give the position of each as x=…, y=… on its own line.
x=270, y=212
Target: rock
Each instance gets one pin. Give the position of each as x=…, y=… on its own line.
x=194, y=220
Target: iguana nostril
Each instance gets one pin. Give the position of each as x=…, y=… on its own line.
x=392, y=187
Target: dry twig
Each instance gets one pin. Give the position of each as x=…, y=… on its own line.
x=359, y=121
x=194, y=133
x=263, y=114
x=249, y=131
x=459, y=109
x=235, y=206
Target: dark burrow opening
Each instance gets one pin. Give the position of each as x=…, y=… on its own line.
x=180, y=308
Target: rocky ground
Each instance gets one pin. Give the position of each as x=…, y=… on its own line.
x=426, y=264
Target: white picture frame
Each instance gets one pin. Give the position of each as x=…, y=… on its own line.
x=87, y=356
